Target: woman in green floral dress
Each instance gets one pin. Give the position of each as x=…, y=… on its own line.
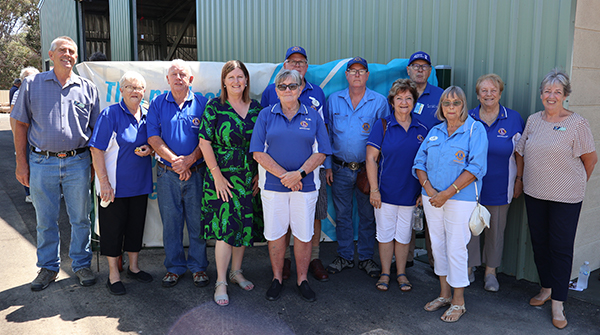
x=230, y=212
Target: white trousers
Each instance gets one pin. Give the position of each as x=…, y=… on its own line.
x=394, y=223
x=450, y=234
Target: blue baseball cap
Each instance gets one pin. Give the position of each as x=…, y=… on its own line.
x=420, y=55
x=295, y=50
x=358, y=60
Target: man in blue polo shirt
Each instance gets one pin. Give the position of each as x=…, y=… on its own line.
x=55, y=113
x=419, y=70
x=173, y=124
x=352, y=113
x=313, y=97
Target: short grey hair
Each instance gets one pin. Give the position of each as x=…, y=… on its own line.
x=129, y=76
x=460, y=94
x=180, y=63
x=286, y=74
x=67, y=39
x=556, y=76
x=28, y=71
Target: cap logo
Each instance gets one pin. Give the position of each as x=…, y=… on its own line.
x=296, y=49
x=358, y=59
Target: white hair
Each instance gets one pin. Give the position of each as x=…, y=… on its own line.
x=130, y=76
x=182, y=64
x=67, y=39
x=28, y=71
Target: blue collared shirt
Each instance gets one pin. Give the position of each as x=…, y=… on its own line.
x=290, y=143
x=178, y=127
x=311, y=96
x=445, y=157
x=503, y=135
x=118, y=133
x=349, y=128
x=427, y=105
x=398, y=148
x=60, y=118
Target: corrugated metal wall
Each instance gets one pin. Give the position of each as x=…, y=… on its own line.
x=57, y=18
x=121, y=30
x=520, y=40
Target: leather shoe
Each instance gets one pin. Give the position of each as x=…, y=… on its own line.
x=274, y=292
x=560, y=324
x=306, y=293
x=318, y=270
x=287, y=268
x=536, y=302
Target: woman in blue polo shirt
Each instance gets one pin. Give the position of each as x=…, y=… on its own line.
x=504, y=127
x=121, y=158
x=289, y=143
x=394, y=191
x=450, y=165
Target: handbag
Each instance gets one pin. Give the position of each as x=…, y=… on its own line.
x=362, y=180
x=480, y=218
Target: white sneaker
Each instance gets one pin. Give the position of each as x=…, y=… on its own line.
x=28, y=199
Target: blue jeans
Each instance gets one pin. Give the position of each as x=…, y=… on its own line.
x=48, y=177
x=342, y=189
x=180, y=202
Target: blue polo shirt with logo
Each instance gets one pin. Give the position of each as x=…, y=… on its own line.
x=427, y=105
x=178, y=127
x=444, y=157
x=503, y=135
x=398, y=148
x=118, y=133
x=311, y=96
x=290, y=143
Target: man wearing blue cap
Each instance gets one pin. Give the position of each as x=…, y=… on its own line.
x=419, y=69
x=352, y=113
x=312, y=96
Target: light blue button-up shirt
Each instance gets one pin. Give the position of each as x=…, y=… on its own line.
x=445, y=157
x=349, y=128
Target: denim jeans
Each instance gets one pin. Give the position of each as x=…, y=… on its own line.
x=48, y=177
x=180, y=202
x=342, y=189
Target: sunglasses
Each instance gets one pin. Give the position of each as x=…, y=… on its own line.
x=283, y=87
x=455, y=103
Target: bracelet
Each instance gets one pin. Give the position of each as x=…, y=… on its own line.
x=216, y=166
x=375, y=190
x=102, y=177
x=520, y=178
x=456, y=188
x=425, y=182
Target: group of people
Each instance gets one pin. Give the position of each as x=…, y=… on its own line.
x=241, y=171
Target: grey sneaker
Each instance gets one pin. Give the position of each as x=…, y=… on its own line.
x=491, y=283
x=339, y=264
x=43, y=279
x=86, y=277
x=370, y=267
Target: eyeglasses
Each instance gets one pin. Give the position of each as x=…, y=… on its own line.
x=455, y=103
x=283, y=87
x=418, y=67
x=354, y=72
x=131, y=89
x=297, y=62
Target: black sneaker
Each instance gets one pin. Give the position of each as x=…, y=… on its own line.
x=141, y=276
x=339, y=264
x=274, y=292
x=116, y=288
x=306, y=293
x=370, y=267
x=43, y=279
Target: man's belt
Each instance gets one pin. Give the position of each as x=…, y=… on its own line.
x=192, y=169
x=352, y=165
x=62, y=154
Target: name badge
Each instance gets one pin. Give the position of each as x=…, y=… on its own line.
x=419, y=108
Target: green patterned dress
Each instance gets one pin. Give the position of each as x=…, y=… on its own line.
x=239, y=221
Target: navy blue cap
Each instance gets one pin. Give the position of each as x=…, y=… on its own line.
x=295, y=50
x=358, y=60
x=420, y=55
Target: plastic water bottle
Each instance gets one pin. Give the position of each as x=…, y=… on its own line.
x=417, y=218
x=584, y=275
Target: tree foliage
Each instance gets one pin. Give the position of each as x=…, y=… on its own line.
x=20, y=43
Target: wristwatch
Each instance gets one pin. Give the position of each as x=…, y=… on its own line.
x=302, y=173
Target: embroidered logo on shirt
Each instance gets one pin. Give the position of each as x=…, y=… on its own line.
x=196, y=121
x=501, y=131
x=420, y=138
x=304, y=125
x=460, y=156
x=557, y=128
x=366, y=127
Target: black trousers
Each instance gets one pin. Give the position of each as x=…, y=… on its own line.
x=552, y=226
x=122, y=225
